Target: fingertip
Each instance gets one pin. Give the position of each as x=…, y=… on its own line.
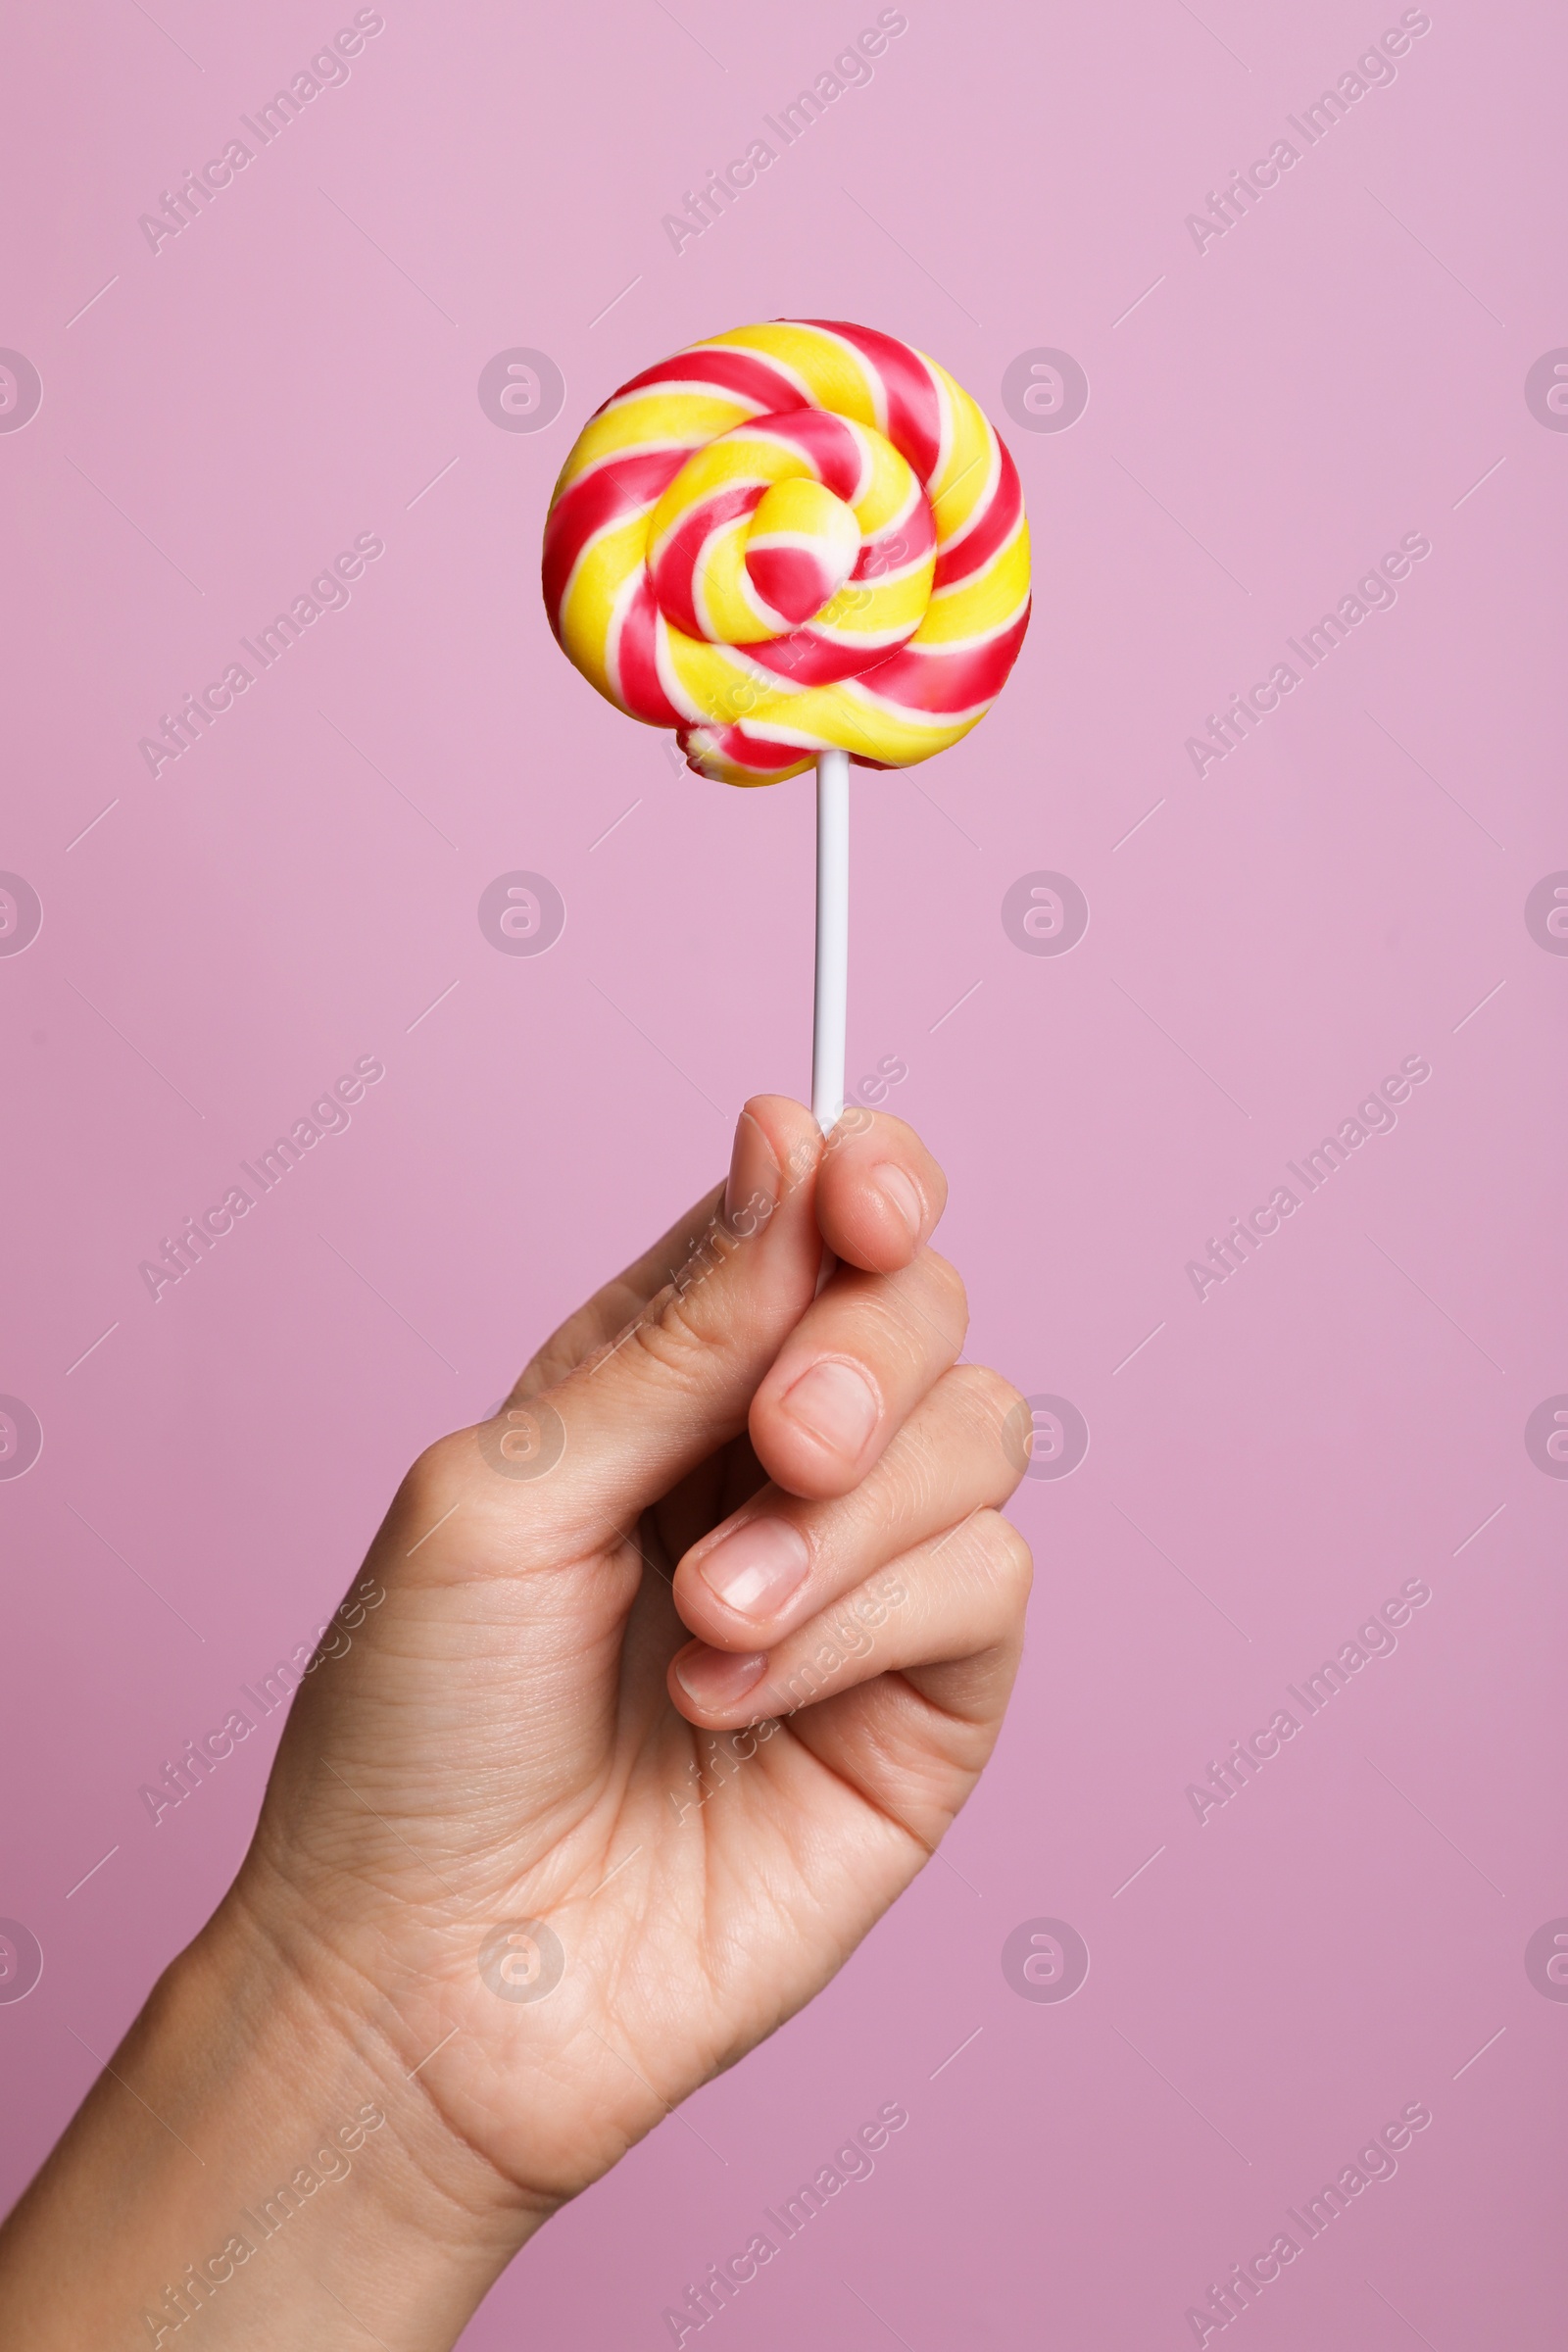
x=778, y=1145
x=783, y=1117
x=705, y=1683
x=797, y=1462
x=900, y=1200
x=879, y=1191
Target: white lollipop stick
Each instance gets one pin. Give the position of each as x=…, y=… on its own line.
x=832, y=937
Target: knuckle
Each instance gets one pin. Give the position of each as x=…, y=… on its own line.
x=933, y=1302
x=1008, y=1556
x=945, y=1282
x=436, y=1473
x=437, y=1479
x=907, y=1487
x=1007, y=1400
x=984, y=1397
x=677, y=1339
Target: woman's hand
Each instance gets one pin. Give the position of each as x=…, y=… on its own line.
x=685, y=1663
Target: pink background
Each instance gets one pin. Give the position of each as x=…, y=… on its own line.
x=1343, y=367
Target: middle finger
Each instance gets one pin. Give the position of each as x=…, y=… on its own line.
x=859, y=1358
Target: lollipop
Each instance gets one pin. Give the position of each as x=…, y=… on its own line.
x=797, y=544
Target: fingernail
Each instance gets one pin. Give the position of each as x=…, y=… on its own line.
x=903, y=1195
x=750, y=1192
x=715, y=1678
x=835, y=1403
x=755, y=1569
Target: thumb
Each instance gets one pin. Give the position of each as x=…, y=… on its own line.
x=625, y=1426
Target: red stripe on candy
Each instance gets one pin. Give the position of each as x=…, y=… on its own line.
x=803, y=658
x=746, y=372
x=899, y=546
x=826, y=440
x=941, y=683
x=753, y=752
x=605, y=496
x=636, y=655
x=987, y=530
x=682, y=552
x=791, y=582
x=915, y=415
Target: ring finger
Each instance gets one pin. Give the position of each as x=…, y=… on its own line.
x=780, y=1559
x=949, y=1613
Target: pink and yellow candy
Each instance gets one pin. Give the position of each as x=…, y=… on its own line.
x=792, y=538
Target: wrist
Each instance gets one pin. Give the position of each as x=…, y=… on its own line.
x=434, y=2223
x=258, y=2154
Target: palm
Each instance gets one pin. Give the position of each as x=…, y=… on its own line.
x=741, y=1870
x=499, y=1749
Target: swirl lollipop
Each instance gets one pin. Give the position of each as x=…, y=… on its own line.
x=796, y=543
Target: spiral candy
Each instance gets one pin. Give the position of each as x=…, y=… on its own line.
x=796, y=537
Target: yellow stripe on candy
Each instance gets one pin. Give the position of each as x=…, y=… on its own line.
x=727, y=602
x=886, y=609
x=833, y=373
x=962, y=484
x=651, y=420
x=891, y=491
x=973, y=608
x=608, y=566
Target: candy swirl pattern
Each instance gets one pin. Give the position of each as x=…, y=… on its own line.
x=794, y=537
